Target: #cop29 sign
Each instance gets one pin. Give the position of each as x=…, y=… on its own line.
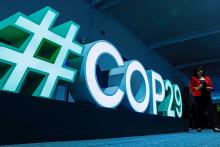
x=30, y=47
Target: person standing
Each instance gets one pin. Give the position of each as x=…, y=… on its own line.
x=201, y=88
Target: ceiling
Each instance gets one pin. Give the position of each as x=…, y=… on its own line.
x=185, y=32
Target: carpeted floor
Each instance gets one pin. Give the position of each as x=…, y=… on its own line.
x=191, y=139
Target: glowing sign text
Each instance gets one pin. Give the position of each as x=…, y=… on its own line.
x=30, y=49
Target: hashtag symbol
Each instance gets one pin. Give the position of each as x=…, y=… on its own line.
x=25, y=59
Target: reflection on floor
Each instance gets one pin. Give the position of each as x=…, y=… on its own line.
x=192, y=138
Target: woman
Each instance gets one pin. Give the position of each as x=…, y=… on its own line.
x=201, y=87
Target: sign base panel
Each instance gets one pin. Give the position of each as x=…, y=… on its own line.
x=27, y=119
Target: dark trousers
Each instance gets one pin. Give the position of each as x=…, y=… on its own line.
x=204, y=105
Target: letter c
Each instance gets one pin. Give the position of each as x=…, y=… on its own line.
x=111, y=96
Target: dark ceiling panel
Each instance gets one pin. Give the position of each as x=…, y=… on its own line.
x=195, y=50
x=157, y=20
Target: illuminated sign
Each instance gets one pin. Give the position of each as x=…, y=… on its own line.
x=154, y=95
x=27, y=37
x=29, y=44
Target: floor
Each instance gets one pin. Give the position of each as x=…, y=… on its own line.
x=192, y=138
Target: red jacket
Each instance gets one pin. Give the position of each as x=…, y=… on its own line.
x=195, y=83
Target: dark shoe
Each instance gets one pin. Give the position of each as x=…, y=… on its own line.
x=199, y=129
x=216, y=129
